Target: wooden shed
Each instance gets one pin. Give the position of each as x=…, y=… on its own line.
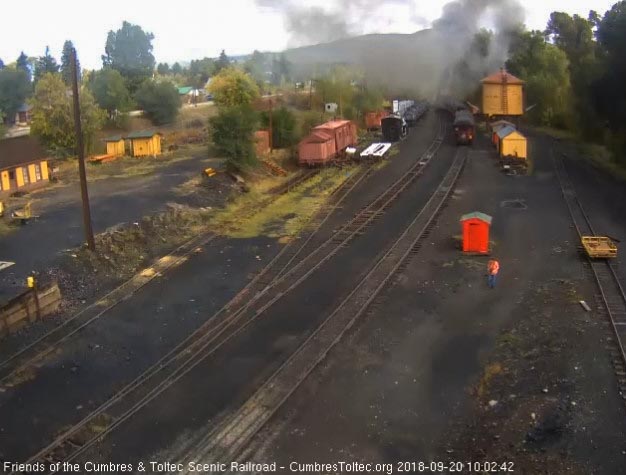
x=145, y=143
x=115, y=146
x=502, y=95
x=475, y=227
x=23, y=165
x=512, y=144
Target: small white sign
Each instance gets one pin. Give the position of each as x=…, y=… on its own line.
x=4, y=265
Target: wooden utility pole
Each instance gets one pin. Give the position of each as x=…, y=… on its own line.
x=271, y=133
x=80, y=152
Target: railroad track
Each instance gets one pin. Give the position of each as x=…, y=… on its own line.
x=38, y=350
x=225, y=442
x=47, y=343
x=611, y=296
x=294, y=182
x=270, y=285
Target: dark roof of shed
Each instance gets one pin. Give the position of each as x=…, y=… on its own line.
x=142, y=134
x=113, y=138
x=20, y=151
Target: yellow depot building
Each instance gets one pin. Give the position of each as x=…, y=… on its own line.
x=23, y=165
x=503, y=95
x=145, y=143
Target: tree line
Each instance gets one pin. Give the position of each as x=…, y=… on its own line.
x=575, y=71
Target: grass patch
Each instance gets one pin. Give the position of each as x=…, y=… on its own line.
x=252, y=215
x=598, y=155
x=490, y=372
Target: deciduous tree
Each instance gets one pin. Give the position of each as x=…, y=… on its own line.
x=232, y=132
x=15, y=88
x=159, y=100
x=53, y=117
x=109, y=90
x=283, y=127
x=233, y=87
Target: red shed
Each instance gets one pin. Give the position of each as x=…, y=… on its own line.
x=476, y=232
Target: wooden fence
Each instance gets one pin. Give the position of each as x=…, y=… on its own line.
x=27, y=308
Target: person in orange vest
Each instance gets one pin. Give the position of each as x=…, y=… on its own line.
x=493, y=266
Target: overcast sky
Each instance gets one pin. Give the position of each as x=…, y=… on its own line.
x=197, y=28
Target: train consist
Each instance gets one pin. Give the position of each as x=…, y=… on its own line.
x=406, y=114
x=464, y=127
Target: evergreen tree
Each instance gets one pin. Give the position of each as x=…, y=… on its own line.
x=45, y=64
x=22, y=63
x=129, y=51
x=1, y=63
x=66, y=65
x=163, y=69
x=176, y=68
x=222, y=62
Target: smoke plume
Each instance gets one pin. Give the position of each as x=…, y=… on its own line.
x=341, y=19
x=443, y=59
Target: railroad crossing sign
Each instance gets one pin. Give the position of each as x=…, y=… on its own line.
x=4, y=265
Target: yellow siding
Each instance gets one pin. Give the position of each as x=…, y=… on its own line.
x=31, y=173
x=4, y=180
x=19, y=176
x=115, y=148
x=147, y=147
x=514, y=145
x=44, y=170
x=492, y=99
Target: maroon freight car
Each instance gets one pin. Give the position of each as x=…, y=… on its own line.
x=326, y=142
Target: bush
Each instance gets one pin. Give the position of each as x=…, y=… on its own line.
x=159, y=101
x=283, y=127
x=232, y=131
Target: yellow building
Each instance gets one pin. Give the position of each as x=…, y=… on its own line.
x=512, y=143
x=145, y=143
x=503, y=95
x=115, y=146
x=23, y=165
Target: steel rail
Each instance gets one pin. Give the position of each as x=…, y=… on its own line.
x=229, y=438
x=193, y=347
x=605, y=276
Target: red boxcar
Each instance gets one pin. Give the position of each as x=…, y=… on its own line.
x=326, y=141
x=373, y=119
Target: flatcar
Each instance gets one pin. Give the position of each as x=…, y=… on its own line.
x=394, y=128
x=464, y=127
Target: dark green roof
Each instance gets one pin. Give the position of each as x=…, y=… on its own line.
x=113, y=138
x=142, y=134
x=477, y=215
